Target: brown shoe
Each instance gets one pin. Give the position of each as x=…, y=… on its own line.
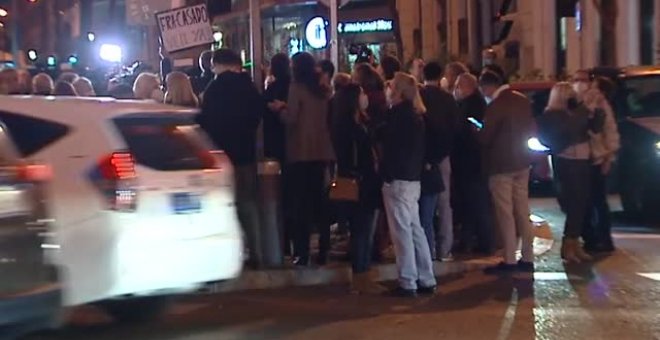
x=569, y=250
x=363, y=284
x=581, y=254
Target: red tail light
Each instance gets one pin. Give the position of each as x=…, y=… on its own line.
x=118, y=181
x=34, y=173
x=118, y=166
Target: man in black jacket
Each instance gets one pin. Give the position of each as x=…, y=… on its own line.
x=472, y=194
x=231, y=112
x=441, y=128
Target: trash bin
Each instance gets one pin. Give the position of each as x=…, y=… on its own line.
x=270, y=210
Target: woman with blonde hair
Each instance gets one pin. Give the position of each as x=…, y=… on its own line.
x=42, y=85
x=84, y=87
x=180, y=91
x=403, y=142
x=147, y=87
x=573, y=124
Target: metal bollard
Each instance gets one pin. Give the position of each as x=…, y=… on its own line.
x=270, y=211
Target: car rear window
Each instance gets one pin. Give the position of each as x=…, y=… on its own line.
x=164, y=142
x=32, y=134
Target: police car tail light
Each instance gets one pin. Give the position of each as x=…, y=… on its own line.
x=117, y=179
x=34, y=173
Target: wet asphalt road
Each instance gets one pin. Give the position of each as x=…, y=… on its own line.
x=618, y=297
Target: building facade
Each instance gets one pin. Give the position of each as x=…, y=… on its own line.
x=533, y=39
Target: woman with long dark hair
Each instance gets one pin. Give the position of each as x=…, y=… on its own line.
x=373, y=85
x=276, y=95
x=309, y=151
x=597, y=232
x=356, y=159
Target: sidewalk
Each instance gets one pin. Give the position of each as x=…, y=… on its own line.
x=340, y=273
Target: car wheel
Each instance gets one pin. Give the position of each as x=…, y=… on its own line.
x=139, y=309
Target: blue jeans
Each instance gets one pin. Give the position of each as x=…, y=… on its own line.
x=413, y=256
x=427, y=207
x=445, y=235
x=362, y=223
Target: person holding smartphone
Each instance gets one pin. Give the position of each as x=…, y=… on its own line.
x=472, y=194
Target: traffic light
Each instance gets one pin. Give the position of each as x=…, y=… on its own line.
x=51, y=61
x=73, y=59
x=32, y=55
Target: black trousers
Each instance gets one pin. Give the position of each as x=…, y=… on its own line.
x=308, y=198
x=574, y=193
x=473, y=198
x=597, y=229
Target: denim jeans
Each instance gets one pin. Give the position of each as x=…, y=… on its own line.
x=510, y=193
x=362, y=224
x=247, y=208
x=597, y=229
x=445, y=235
x=428, y=204
x=413, y=256
x=574, y=193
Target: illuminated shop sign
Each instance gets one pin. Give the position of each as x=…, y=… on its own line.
x=315, y=33
x=317, y=36
x=380, y=25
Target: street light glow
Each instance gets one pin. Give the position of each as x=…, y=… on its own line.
x=111, y=53
x=91, y=36
x=3, y=12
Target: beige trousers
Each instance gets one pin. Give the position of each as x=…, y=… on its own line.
x=510, y=193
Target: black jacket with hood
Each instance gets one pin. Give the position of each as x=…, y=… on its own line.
x=231, y=112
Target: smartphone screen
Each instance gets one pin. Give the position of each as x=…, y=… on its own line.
x=475, y=122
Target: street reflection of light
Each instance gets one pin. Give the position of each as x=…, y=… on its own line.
x=550, y=276
x=652, y=276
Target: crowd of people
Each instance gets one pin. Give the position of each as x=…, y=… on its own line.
x=176, y=90
x=397, y=157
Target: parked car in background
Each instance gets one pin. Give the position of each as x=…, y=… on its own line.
x=541, y=175
x=144, y=205
x=30, y=291
x=637, y=105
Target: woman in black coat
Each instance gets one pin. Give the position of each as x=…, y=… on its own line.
x=276, y=95
x=354, y=149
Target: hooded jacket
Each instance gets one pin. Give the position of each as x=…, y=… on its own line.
x=231, y=112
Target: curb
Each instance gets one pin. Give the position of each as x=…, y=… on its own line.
x=332, y=275
x=340, y=273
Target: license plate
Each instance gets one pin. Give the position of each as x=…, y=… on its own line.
x=186, y=203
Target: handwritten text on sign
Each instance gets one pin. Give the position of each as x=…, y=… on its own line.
x=185, y=27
